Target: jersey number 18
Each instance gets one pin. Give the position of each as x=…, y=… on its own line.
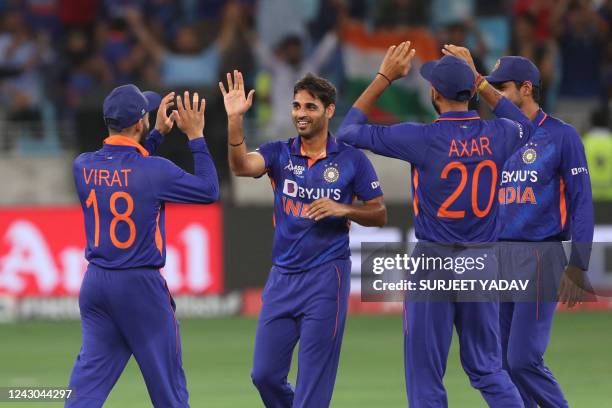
x=117, y=217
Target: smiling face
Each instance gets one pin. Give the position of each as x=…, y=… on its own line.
x=309, y=114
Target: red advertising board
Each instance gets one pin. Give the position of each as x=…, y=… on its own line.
x=42, y=250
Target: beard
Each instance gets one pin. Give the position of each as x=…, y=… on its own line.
x=435, y=105
x=315, y=127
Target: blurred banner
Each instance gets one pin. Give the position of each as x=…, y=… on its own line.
x=42, y=250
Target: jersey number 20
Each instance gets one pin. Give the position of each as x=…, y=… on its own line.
x=118, y=217
x=444, y=212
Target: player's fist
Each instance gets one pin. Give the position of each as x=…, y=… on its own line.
x=397, y=61
x=460, y=52
x=234, y=99
x=163, y=121
x=189, y=115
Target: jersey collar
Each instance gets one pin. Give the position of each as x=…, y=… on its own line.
x=330, y=148
x=120, y=140
x=540, y=118
x=463, y=115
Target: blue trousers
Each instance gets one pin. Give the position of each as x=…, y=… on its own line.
x=526, y=326
x=309, y=307
x=127, y=312
x=428, y=330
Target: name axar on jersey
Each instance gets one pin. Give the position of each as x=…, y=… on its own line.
x=342, y=173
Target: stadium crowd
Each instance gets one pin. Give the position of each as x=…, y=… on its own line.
x=58, y=58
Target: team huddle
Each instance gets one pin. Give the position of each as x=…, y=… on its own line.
x=508, y=179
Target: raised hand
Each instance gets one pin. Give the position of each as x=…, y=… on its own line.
x=189, y=115
x=460, y=52
x=236, y=103
x=397, y=61
x=163, y=121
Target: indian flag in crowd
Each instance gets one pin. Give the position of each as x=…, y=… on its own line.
x=363, y=51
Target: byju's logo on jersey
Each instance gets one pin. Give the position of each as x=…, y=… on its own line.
x=530, y=155
x=331, y=173
x=298, y=171
x=293, y=189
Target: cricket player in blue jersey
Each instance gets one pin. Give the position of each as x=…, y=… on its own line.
x=126, y=308
x=455, y=163
x=315, y=179
x=545, y=196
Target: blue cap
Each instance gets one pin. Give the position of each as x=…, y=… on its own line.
x=451, y=76
x=126, y=105
x=514, y=68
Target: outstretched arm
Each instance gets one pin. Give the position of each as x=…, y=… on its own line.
x=402, y=141
x=242, y=163
x=395, y=65
x=134, y=18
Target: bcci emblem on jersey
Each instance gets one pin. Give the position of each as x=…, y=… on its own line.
x=331, y=174
x=529, y=156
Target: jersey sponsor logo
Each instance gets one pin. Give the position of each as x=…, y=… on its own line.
x=331, y=173
x=516, y=176
x=298, y=171
x=579, y=170
x=293, y=189
x=516, y=195
x=469, y=148
x=375, y=184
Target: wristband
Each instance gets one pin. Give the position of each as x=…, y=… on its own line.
x=384, y=76
x=481, y=83
x=238, y=144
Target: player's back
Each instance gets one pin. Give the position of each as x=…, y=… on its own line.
x=456, y=162
x=455, y=185
x=121, y=212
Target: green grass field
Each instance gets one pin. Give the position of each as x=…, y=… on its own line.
x=217, y=357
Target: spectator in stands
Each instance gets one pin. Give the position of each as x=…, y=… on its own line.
x=390, y=14
x=124, y=58
x=582, y=36
x=542, y=52
x=286, y=65
x=20, y=57
x=186, y=62
x=542, y=12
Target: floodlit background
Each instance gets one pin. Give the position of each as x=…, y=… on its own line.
x=58, y=60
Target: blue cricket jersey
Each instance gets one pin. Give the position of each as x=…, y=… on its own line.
x=122, y=191
x=545, y=192
x=455, y=166
x=342, y=173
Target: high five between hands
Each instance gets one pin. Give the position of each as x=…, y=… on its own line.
x=188, y=115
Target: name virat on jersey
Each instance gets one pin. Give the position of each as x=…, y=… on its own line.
x=106, y=178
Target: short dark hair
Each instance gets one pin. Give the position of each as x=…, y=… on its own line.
x=318, y=87
x=535, y=91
